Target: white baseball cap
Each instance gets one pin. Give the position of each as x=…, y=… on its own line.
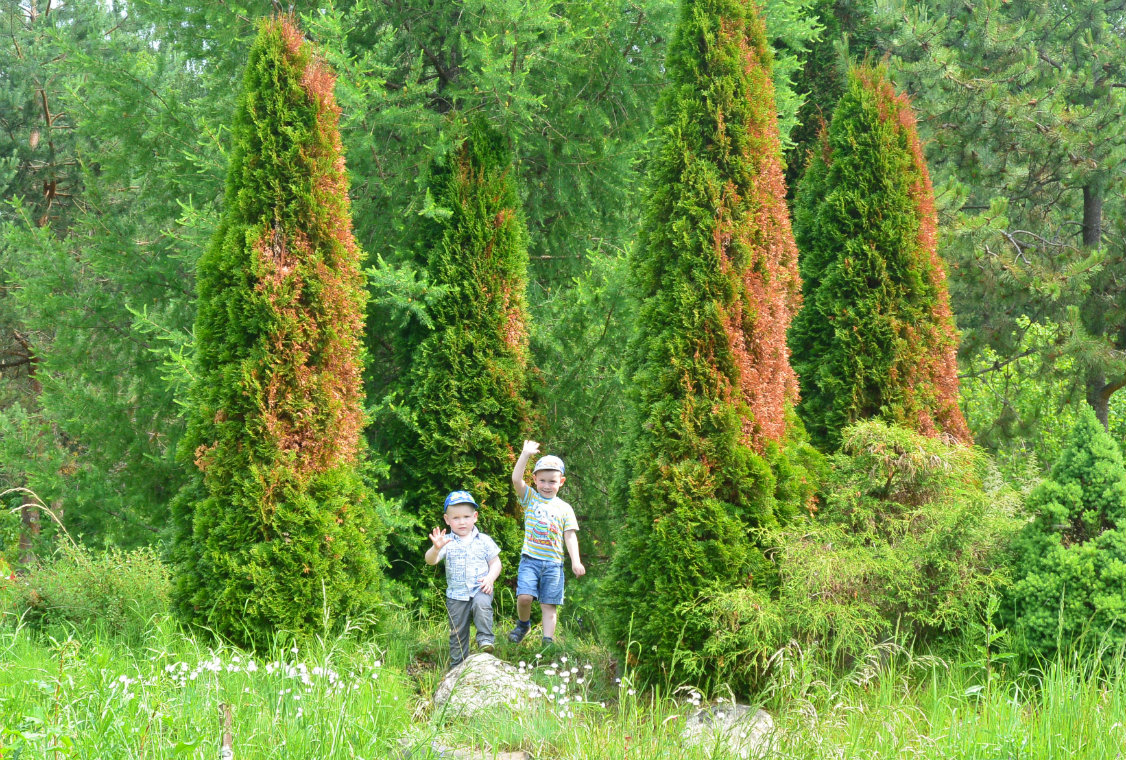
x=549, y=462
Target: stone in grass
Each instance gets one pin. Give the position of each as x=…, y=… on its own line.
x=732, y=730
x=437, y=751
x=482, y=682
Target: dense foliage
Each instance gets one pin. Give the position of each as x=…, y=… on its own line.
x=910, y=542
x=104, y=216
x=119, y=594
x=275, y=531
x=715, y=452
x=1071, y=568
x=846, y=26
x=875, y=337
x=495, y=159
x=463, y=404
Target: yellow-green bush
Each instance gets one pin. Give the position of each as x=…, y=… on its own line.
x=114, y=591
x=911, y=540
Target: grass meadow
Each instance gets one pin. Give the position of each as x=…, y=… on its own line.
x=82, y=694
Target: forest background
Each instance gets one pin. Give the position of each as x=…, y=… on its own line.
x=115, y=119
x=114, y=147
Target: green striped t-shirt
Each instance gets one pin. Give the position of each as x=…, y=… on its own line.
x=545, y=520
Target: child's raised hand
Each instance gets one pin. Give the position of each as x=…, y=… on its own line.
x=531, y=447
x=439, y=538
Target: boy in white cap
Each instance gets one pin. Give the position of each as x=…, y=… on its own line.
x=549, y=525
x=472, y=566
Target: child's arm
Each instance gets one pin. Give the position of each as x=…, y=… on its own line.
x=490, y=579
x=438, y=538
x=530, y=447
x=571, y=541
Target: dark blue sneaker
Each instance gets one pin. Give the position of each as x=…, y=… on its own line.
x=520, y=631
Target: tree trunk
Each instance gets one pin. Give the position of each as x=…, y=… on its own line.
x=1099, y=390
x=1092, y=216
x=29, y=519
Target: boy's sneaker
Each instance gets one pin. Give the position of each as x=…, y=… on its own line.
x=547, y=642
x=520, y=631
x=486, y=648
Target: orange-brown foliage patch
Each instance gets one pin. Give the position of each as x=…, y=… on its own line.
x=203, y=456
x=311, y=401
x=935, y=367
x=768, y=293
x=291, y=36
x=515, y=325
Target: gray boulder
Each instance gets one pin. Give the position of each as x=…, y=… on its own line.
x=737, y=730
x=482, y=682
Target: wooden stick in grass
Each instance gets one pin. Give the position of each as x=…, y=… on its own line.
x=227, y=752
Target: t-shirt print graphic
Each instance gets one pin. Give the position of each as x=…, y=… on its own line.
x=543, y=529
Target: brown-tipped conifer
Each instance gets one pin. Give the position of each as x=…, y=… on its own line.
x=275, y=533
x=875, y=337
x=714, y=453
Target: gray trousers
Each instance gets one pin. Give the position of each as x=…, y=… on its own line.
x=480, y=608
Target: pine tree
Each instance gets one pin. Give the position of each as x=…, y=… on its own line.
x=1072, y=554
x=464, y=404
x=117, y=185
x=715, y=451
x=876, y=337
x=276, y=526
x=1023, y=102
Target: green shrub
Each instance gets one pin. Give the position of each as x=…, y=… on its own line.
x=911, y=540
x=115, y=591
x=1071, y=582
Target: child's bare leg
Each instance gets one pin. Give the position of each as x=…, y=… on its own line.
x=550, y=612
x=524, y=607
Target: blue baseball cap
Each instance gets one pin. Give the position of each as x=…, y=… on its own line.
x=549, y=462
x=458, y=497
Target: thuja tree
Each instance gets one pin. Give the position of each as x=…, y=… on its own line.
x=275, y=529
x=714, y=454
x=462, y=407
x=1071, y=570
x=875, y=337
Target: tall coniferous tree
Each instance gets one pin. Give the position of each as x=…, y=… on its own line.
x=714, y=454
x=463, y=404
x=875, y=337
x=276, y=525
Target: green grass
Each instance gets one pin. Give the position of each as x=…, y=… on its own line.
x=89, y=696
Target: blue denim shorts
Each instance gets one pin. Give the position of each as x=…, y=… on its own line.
x=540, y=579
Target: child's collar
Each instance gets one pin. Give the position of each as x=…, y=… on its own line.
x=470, y=537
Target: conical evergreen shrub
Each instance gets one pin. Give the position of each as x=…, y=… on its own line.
x=875, y=336
x=276, y=529
x=1071, y=571
x=463, y=409
x=715, y=452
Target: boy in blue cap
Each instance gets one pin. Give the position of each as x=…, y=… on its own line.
x=549, y=526
x=472, y=566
